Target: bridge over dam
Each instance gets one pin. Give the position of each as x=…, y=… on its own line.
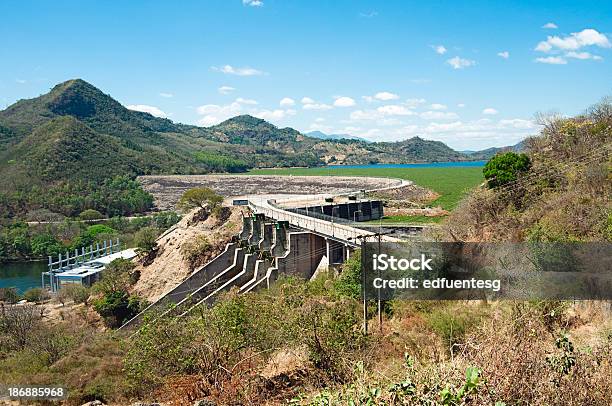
x=282, y=235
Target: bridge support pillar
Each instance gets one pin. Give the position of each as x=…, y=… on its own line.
x=268, y=236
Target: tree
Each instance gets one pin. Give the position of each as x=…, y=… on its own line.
x=145, y=240
x=9, y=295
x=36, y=295
x=46, y=244
x=116, y=277
x=91, y=214
x=349, y=281
x=200, y=197
x=117, y=307
x=505, y=168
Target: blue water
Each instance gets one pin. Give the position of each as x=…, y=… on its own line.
x=21, y=275
x=476, y=164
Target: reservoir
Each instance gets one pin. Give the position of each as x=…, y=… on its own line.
x=21, y=275
x=458, y=164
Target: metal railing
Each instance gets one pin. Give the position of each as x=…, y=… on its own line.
x=68, y=261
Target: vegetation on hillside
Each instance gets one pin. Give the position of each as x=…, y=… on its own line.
x=62, y=149
x=563, y=194
x=20, y=240
x=300, y=343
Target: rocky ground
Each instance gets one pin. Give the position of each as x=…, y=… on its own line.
x=167, y=189
x=169, y=267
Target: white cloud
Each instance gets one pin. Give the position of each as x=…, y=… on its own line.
x=286, y=101
x=344, y=101
x=253, y=3
x=311, y=104
x=414, y=103
x=461, y=105
x=574, y=41
x=225, y=89
x=583, y=55
x=460, y=63
x=155, y=111
x=245, y=71
x=274, y=115
x=437, y=106
x=438, y=115
x=550, y=26
x=381, y=96
x=504, y=54
x=440, y=49
x=246, y=101
x=365, y=115
x=552, y=60
x=319, y=120
x=490, y=111
x=21, y=81
x=166, y=95
x=214, y=114
x=443, y=127
x=386, y=96
x=395, y=110
x=517, y=123
x=476, y=134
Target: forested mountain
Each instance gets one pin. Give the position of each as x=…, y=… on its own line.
x=323, y=136
x=76, y=137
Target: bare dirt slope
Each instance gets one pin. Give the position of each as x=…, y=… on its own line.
x=169, y=267
x=167, y=189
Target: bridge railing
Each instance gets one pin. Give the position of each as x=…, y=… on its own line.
x=332, y=229
x=325, y=217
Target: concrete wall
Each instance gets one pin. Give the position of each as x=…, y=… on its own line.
x=197, y=278
x=247, y=227
x=305, y=252
x=353, y=211
x=268, y=237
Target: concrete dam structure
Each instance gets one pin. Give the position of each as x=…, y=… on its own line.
x=281, y=237
x=264, y=249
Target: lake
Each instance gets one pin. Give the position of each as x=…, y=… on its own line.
x=459, y=164
x=21, y=275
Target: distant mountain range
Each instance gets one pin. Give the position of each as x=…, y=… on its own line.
x=322, y=136
x=77, y=131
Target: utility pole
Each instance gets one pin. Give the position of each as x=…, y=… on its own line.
x=363, y=284
x=380, y=321
x=364, y=239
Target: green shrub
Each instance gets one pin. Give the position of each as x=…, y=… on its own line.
x=349, y=281
x=194, y=250
x=9, y=295
x=77, y=293
x=117, y=307
x=100, y=229
x=452, y=324
x=45, y=244
x=91, y=214
x=145, y=240
x=166, y=219
x=116, y=277
x=36, y=295
x=199, y=197
x=505, y=168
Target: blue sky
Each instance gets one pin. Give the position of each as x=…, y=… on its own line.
x=471, y=74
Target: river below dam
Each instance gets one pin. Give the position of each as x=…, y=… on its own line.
x=21, y=275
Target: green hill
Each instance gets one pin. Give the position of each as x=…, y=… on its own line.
x=76, y=135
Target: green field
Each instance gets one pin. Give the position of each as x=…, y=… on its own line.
x=451, y=183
